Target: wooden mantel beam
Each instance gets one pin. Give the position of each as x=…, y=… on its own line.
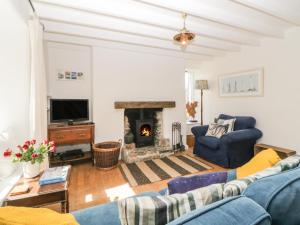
x=148, y=105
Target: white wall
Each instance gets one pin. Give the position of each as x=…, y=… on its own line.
x=131, y=76
x=117, y=75
x=65, y=57
x=14, y=76
x=277, y=112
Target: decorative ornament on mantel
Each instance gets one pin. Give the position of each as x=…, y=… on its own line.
x=184, y=36
x=31, y=155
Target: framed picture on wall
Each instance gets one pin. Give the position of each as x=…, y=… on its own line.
x=80, y=75
x=60, y=75
x=247, y=83
x=66, y=75
x=73, y=75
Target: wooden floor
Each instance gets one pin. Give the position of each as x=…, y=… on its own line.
x=88, y=184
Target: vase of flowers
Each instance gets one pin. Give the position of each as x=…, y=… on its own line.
x=30, y=155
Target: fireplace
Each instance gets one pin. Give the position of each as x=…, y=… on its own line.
x=144, y=133
x=142, y=126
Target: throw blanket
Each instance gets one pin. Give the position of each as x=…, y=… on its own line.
x=161, y=210
x=34, y=216
x=236, y=187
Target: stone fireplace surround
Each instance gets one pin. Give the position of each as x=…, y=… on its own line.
x=151, y=110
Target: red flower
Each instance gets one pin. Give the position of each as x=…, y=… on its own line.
x=52, y=148
x=27, y=143
x=34, y=155
x=18, y=155
x=7, y=153
x=25, y=147
x=33, y=142
x=45, y=142
x=51, y=143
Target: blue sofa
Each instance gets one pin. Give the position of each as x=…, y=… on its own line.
x=231, y=150
x=273, y=200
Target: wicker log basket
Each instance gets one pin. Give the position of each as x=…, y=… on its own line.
x=106, y=154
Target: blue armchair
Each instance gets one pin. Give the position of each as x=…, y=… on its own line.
x=231, y=150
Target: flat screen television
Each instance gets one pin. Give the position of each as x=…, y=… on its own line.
x=62, y=110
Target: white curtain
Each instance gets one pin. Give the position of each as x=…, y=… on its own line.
x=38, y=86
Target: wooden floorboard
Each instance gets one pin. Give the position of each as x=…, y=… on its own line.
x=88, y=184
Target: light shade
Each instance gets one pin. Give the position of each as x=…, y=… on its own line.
x=184, y=37
x=201, y=85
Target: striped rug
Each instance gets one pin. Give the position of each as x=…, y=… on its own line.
x=150, y=171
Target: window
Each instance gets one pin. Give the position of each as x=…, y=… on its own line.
x=189, y=86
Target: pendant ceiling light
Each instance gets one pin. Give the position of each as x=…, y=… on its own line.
x=184, y=36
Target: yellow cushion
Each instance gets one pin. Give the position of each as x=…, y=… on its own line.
x=34, y=216
x=264, y=159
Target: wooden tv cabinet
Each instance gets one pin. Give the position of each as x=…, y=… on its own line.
x=70, y=135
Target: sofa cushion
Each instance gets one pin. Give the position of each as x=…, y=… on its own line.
x=229, y=122
x=185, y=184
x=163, y=209
x=103, y=214
x=241, y=122
x=98, y=215
x=211, y=142
x=261, y=161
x=216, y=130
x=279, y=195
x=230, y=211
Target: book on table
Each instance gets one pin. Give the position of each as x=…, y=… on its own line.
x=54, y=175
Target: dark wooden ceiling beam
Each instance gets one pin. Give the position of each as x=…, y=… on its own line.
x=147, y=104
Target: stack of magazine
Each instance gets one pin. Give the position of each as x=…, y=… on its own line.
x=54, y=175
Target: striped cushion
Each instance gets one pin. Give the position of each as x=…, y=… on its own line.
x=236, y=187
x=161, y=210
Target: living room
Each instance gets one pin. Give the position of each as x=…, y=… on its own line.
x=117, y=96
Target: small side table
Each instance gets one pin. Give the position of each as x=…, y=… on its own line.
x=282, y=152
x=39, y=196
x=190, y=139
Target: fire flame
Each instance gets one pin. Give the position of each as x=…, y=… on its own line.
x=145, y=132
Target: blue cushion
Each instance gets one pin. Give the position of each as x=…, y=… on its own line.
x=279, y=195
x=209, y=141
x=103, y=214
x=241, y=123
x=185, y=184
x=231, y=211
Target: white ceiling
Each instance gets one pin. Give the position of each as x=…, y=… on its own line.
x=220, y=25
